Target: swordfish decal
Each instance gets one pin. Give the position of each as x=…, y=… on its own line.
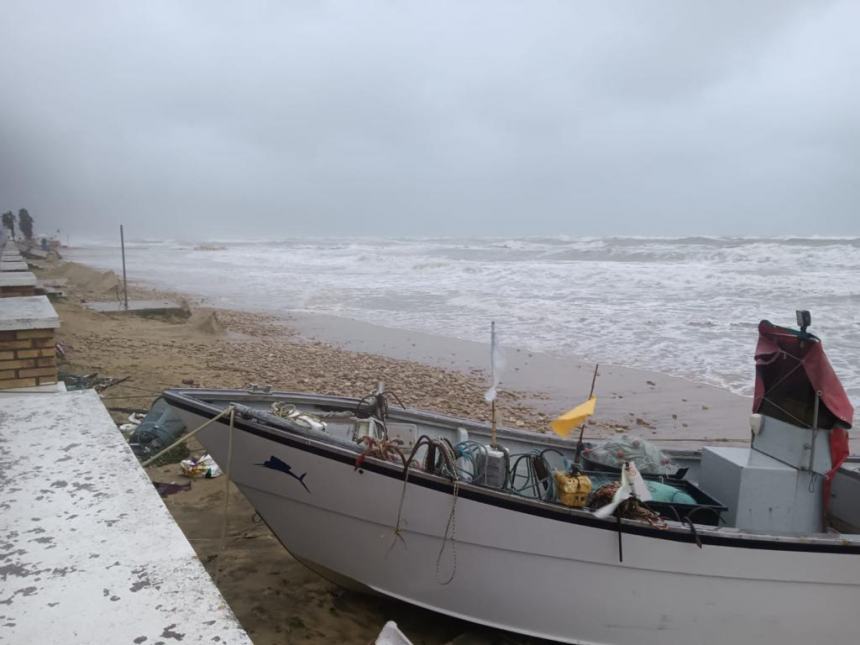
x=276, y=464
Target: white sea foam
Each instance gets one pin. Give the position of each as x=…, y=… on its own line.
x=683, y=306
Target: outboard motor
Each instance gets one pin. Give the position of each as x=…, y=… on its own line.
x=374, y=405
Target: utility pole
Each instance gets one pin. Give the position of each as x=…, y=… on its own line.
x=124, y=283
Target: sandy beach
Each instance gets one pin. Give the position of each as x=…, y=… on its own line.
x=274, y=597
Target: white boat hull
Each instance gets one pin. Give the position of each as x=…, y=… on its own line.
x=531, y=574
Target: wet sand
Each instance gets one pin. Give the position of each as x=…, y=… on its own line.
x=275, y=598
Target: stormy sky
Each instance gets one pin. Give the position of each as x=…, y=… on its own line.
x=276, y=119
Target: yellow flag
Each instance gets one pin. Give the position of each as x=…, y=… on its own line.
x=573, y=418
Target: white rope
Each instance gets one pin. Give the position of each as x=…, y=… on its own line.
x=226, y=493
x=450, y=536
x=186, y=437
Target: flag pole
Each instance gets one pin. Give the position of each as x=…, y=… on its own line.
x=493, y=425
x=493, y=381
x=582, y=427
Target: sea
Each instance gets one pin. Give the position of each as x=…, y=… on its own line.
x=683, y=306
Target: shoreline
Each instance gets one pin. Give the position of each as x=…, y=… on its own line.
x=220, y=347
x=535, y=387
x=539, y=386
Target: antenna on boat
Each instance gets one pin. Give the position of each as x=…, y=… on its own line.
x=804, y=320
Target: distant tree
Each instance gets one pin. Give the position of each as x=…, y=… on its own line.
x=9, y=222
x=25, y=223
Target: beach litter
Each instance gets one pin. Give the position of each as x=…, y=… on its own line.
x=166, y=489
x=90, y=381
x=200, y=467
x=391, y=635
x=159, y=428
x=134, y=421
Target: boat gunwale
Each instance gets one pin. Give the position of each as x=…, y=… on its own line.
x=193, y=401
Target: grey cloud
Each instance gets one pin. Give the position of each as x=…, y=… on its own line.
x=206, y=119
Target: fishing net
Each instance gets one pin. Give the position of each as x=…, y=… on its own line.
x=649, y=459
x=160, y=427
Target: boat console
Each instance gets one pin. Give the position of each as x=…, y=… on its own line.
x=781, y=483
x=762, y=493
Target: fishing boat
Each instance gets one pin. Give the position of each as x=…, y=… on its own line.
x=760, y=545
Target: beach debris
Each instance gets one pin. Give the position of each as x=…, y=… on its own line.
x=134, y=420
x=110, y=382
x=90, y=381
x=391, y=635
x=166, y=310
x=166, y=489
x=159, y=428
x=200, y=467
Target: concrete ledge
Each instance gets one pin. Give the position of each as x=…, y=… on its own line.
x=155, y=307
x=16, y=284
x=91, y=554
x=52, y=287
x=10, y=250
x=17, y=279
x=34, y=252
x=28, y=312
x=13, y=265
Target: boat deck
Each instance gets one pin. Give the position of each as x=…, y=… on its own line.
x=88, y=552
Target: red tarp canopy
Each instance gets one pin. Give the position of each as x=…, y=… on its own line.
x=791, y=367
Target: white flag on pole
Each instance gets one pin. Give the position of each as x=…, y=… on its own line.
x=497, y=364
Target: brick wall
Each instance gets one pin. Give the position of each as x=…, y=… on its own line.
x=27, y=358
